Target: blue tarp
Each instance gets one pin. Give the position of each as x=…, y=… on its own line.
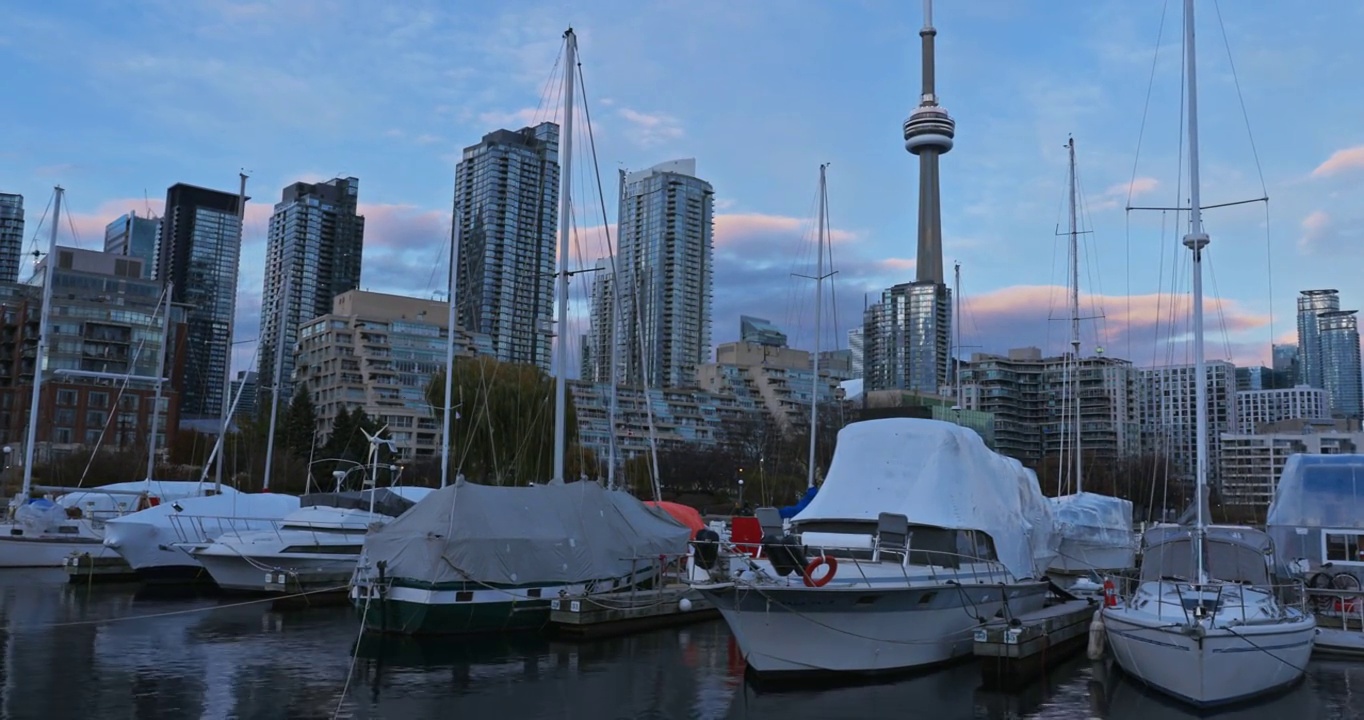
x=791, y=511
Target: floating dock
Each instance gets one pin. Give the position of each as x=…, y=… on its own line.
x=1013, y=653
x=83, y=569
x=602, y=614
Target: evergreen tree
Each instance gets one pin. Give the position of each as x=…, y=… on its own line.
x=298, y=431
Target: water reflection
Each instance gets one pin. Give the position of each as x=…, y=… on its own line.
x=71, y=652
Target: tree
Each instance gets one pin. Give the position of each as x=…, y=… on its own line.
x=502, y=430
x=298, y=431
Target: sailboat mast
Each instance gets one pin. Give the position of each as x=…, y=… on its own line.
x=450, y=346
x=231, y=320
x=956, y=325
x=160, y=378
x=1075, y=319
x=617, y=318
x=565, y=219
x=1196, y=240
x=819, y=302
x=40, y=355
x=280, y=340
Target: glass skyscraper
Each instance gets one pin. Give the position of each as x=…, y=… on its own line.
x=506, y=204
x=1312, y=303
x=1338, y=334
x=11, y=236
x=316, y=240
x=200, y=250
x=905, y=336
x=134, y=236
x=664, y=262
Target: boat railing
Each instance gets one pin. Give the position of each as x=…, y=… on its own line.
x=967, y=569
x=1216, y=600
x=1345, y=606
x=203, y=528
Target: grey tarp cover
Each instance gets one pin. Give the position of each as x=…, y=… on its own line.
x=555, y=533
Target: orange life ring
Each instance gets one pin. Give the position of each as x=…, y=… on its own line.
x=829, y=560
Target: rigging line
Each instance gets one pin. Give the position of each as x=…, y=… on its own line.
x=549, y=81
x=1141, y=134
x=1269, y=271
x=1221, y=309
x=1096, y=295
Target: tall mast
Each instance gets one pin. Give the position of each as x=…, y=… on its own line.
x=1075, y=318
x=450, y=344
x=819, y=301
x=617, y=318
x=40, y=355
x=227, y=365
x=160, y=378
x=565, y=219
x=281, y=338
x=1196, y=240
x=956, y=324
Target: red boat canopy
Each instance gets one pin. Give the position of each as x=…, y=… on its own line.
x=687, y=516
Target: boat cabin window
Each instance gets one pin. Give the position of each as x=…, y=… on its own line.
x=1343, y=546
x=928, y=545
x=1229, y=562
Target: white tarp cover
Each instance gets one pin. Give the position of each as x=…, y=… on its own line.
x=164, y=490
x=940, y=474
x=555, y=533
x=1094, y=518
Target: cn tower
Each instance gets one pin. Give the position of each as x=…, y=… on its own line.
x=928, y=134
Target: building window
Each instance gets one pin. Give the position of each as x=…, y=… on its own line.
x=97, y=400
x=1342, y=546
x=66, y=398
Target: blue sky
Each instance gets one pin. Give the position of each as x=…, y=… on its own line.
x=118, y=99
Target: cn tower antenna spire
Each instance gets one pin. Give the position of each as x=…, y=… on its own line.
x=928, y=134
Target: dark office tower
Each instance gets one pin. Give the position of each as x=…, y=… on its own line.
x=11, y=236
x=316, y=240
x=134, y=236
x=199, y=250
x=506, y=204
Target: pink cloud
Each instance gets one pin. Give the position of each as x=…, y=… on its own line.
x=1155, y=328
x=900, y=264
x=735, y=228
x=1341, y=161
x=1315, y=228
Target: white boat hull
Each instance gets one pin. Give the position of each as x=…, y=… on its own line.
x=862, y=630
x=235, y=572
x=1226, y=665
x=46, y=551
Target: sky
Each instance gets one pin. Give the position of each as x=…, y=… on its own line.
x=123, y=98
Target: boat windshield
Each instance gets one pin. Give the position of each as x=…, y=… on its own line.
x=1226, y=561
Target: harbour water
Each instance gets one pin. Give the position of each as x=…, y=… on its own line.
x=119, y=652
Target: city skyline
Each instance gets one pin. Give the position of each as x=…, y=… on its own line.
x=841, y=99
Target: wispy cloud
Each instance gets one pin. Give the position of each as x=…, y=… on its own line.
x=732, y=228
x=651, y=129
x=1341, y=161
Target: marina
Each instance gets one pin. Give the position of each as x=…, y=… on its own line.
x=141, y=655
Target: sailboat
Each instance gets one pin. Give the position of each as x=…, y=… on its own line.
x=1204, y=624
x=472, y=558
x=42, y=532
x=918, y=534
x=1095, y=530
